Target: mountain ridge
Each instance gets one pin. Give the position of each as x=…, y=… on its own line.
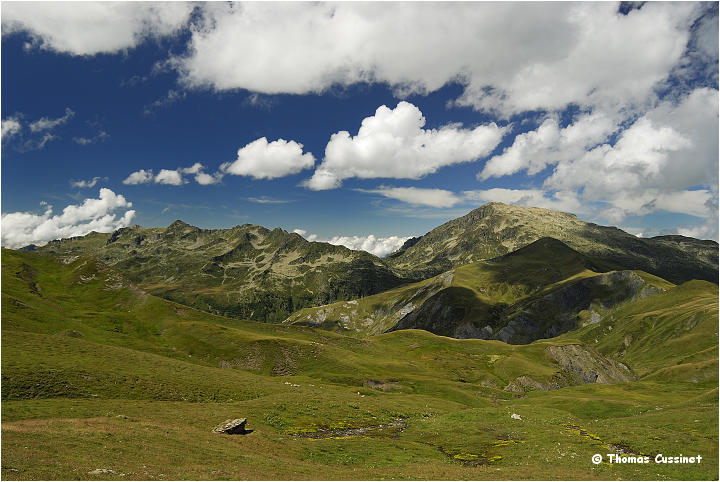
x=541, y=290
x=249, y=271
x=495, y=229
x=246, y=271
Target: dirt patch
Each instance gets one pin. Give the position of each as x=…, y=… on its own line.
x=286, y=365
x=383, y=386
x=28, y=274
x=388, y=430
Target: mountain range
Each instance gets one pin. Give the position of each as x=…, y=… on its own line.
x=122, y=351
x=266, y=275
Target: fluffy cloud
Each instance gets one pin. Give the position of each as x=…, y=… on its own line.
x=657, y=163
x=551, y=56
x=194, y=169
x=549, y=144
x=23, y=228
x=566, y=201
x=171, y=177
x=10, y=127
x=174, y=177
x=663, y=160
x=47, y=124
x=205, y=179
x=380, y=247
x=269, y=160
x=89, y=28
x=438, y=198
x=393, y=144
x=139, y=177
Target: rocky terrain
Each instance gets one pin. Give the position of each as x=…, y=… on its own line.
x=247, y=272
x=267, y=275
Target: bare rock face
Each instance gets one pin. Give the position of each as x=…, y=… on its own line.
x=589, y=366
x=557, y=312
x=579, y=365
x=232, y=427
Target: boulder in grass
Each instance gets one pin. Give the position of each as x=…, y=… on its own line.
x=232, y=427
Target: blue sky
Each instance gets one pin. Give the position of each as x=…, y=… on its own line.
x=361, y=124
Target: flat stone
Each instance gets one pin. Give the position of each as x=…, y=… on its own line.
x=232, y=427
x=103, y=471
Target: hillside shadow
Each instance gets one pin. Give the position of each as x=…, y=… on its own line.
x=456, y=312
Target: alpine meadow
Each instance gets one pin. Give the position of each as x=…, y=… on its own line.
x=359, y=241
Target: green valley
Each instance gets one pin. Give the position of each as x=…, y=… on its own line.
x=118, y=361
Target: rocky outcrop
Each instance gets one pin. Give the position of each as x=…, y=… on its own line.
x=232, y=427
x=588, y=366
x=578, y=365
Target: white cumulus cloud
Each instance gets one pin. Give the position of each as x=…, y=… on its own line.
x=261, y=159
x=174, y=177
x=206, y=179
x=549, y=144
x=23, y=228
x=139, y=177
x=393, y=144
x=663, y=160
x=89, y=28
x=510, y=57
x=379, y=246
x=194, y=169
x=169, y=176
x=657, y=163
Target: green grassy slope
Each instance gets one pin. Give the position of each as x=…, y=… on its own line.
x=247, y=272
x=495, y=229
x=85, y=302
x=670, y=336
x=538, y=291
x=98, y=374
